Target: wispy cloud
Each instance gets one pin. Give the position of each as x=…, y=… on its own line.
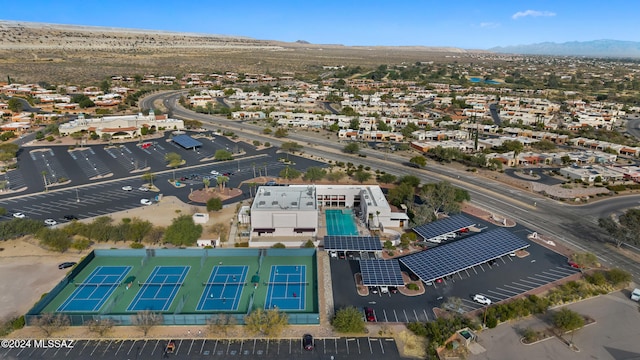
x=534, y=13
x=489, y=25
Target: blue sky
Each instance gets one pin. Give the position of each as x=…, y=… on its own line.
x=468, y=24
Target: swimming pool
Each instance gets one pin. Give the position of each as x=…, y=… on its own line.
x=481, y=80
x=340, y=222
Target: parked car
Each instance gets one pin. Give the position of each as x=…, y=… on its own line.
x=373, y=289
x=70, y=217
x=574, y=265
x=393, y=289
x=271, y=183
x=50, y=222
x=127, y=188
x=19, y=215
x=369, y=315
x=143, y=188
x=307, y=342
x=384, y=289
x=481, y=299
x=635, y=295
x=146, y=202
x=215, y=173
x=66, y=265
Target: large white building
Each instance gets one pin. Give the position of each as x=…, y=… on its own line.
x=121, y=127
x=294, y=211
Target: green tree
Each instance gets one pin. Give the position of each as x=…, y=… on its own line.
x=289, y=173
x=314, y=173
x=281, y=132
x=348, y=320
x=54, y=239
x=440, y=197
x=105, y=86
x=279, y=246
x=584, y=259
x=137, y=229
x=420, y=161
x=15, y=105
x=401, y=194
x=214, y=204
x=361, y=176
x=173, y=159
x=567, y=320
x=351, y=148
x=222, y=181
x=387, y=178
x=625, y=230
x=269, y=323
x=291, y=146
x=410, y=180
x=183, y=231
x=223, y=155
x=148, y=177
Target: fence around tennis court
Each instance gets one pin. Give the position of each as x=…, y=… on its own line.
x=176, y=318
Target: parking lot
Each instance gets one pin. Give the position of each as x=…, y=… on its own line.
x=500, y=280
x=325, y=348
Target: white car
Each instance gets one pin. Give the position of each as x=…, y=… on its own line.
x=146, y=202
x=19, y=215
x=50, y=222
x=127, y=188
x=215, y=173
x=143, y=188
x=481, y=299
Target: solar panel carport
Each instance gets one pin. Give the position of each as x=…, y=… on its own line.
x=377, y=272
x=437, y=230
x=352, y=243
x=463, y=254
x=186, y=141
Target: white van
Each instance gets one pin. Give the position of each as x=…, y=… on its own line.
x=384, y=289
x=635, y=294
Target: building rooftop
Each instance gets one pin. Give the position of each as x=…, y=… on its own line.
x=285, y=198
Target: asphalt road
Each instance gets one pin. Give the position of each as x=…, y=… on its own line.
x=572, y=224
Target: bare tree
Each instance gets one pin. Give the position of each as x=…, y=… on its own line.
x=145, y=320
x=100, y=326
x=50, y=323
x=220, y=325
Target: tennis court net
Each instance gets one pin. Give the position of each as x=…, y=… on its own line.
x=214, y=283
x=148, y=284
x=88, y=284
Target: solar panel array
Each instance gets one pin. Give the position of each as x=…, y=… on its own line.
x=352, y=243
x=456, y=256
x=377, y=272
x=186, y=141
x=443, y=226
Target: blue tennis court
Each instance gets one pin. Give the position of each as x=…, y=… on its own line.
x=340, y=222
x=287, y=287
x=161, y=287
x=223, y=290
x=91, y=294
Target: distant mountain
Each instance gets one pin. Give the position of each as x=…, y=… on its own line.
x=595, y=48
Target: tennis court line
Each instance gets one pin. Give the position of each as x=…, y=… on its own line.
x=213, y=278
x=152, y=279
x=99, y=301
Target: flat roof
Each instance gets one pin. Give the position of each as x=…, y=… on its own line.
x=443, y=226
x=378, y=272
x=285, y=198
x=352, y=243
x=450, y=258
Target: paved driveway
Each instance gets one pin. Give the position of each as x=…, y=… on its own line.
x=614, y=335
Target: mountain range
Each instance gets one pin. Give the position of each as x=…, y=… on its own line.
x=595, y=48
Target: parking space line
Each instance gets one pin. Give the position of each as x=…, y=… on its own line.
x=215, y=347
x=535, y=281
x=228, y=346
x=405, y=314
x=119, y=347
x=347, y=344
x=370, y=348
x=425, y=314
x=500, y=294
x=253, y=351
x=508, y=291
x=381, y=346
x=155, y=346
x=191, y=346
x=289, y=346
x=522, y=287
x=85, y=345
x=131, y=348
x=95, y=348
x=358, y=342
x=466, y=272
x=396, y=315
x=107, y=348
x=241, y=345
x=545, y=276
x=416, y=315
x=384, y=312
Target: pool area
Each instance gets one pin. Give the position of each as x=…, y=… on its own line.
x=340, y=222
x=481, y=80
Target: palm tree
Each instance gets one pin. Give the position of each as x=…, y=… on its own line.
x=222, y=180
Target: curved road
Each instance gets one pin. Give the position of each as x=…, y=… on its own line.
x=574, y=225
